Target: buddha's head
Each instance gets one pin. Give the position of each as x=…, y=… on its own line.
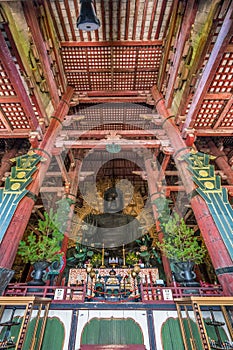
x=113, y=200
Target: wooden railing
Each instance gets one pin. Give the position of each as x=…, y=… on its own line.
x=145, y=294
x=151, y=294
x=56, y=293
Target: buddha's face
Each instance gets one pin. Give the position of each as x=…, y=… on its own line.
x=113, y=201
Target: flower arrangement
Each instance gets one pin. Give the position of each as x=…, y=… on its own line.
x=96, y=259
x=131, y=258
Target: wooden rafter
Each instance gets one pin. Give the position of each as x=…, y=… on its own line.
x=161, y=16
x=103, y=20
x=48, y=3
x=96, y=31
x=31, y=17
x=119, y=20
x=152, y=19
x=167, y=46
x=127, y=20
x=204, y=46
x=143, y=19
x=186, y=27
x=61, y=19
x=70, y=20
x=135, y=20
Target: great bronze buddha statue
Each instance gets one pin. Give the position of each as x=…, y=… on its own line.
x=113, y=228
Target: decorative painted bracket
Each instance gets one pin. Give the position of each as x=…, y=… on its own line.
x=216, y=198
x=15, y=187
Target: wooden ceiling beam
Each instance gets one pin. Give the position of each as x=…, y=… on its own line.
x=32, y=22
x=152, y=20
x=186, y=27
x=161, y=16
x=143, y=19
x=104, y=93
x=218, y=96
x=61, y=19
x=9, y=99
x=113, y=43
x=221, y=43
x=67, y=7
x=135, y=20
x=216, y=132
x=96, y=31
x=54, y=37
x=14, y=134
x=119, y=20
x=110, y=20
x=48, y=3
x=103, y=23
x=129, y=144
x=127, y=17
x=168, y=41
x=104, y=133
x=202, y=46
x=135, y=99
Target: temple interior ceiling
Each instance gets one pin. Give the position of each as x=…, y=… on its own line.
x=183, y=49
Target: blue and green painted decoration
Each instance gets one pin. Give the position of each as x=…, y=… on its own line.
x=16, y=187
x=215, y=196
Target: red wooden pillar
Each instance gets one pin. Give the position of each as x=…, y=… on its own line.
x=72, y=195
x=219, y=255
x=152, y=185
x=15, y=231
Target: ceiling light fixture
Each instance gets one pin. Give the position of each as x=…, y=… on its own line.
x=87, y=19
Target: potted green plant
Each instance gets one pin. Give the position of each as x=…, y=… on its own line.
x=42, y=246
x=181, y=246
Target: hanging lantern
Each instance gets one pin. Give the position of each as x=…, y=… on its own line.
x=87, y=20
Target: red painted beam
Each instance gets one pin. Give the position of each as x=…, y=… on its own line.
x=113, y=43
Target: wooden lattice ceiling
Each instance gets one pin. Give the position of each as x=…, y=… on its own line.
x=112, y=68
x=182, y=46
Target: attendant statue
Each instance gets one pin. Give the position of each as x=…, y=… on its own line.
x=113, y=228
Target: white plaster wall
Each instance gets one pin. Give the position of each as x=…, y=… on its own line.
x=139, y=316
